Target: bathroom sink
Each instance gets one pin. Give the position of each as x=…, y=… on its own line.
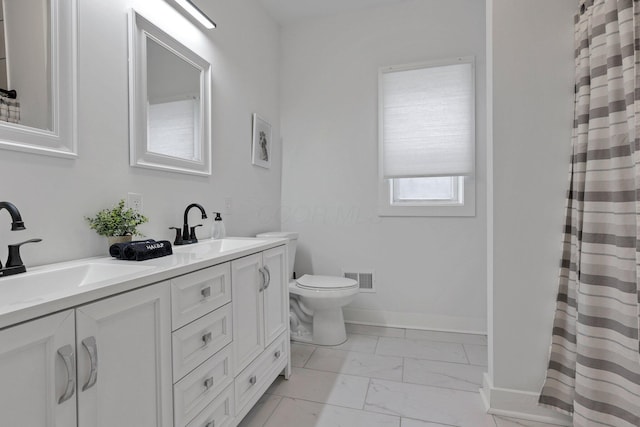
x=209, y=248
x=39, y=285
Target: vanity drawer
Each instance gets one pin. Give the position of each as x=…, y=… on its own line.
x=257, y=377
x=196, y=390
x=196, y=294
x=218, y=413
x=198, y=341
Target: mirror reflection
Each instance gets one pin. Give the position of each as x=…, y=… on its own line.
x=173, y=104
x=25, y=63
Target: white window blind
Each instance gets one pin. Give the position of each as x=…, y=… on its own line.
x=173, y=128
x=427, y=120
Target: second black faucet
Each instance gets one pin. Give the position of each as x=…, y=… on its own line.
x=187, y=235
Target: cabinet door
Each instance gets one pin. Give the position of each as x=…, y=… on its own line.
x=34, y=376
x=248, y=326
x=126, y=340
x=276, y=295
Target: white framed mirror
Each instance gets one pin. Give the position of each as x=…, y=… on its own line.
x=38, y=49
x=169, y=102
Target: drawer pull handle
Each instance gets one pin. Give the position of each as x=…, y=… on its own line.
x=210, y=424
x=277, y=354
x=205, y=292
x=206, y=338
x=253, y=380
x=92, y=349
x=268, y=282
x=208, y=383
x=66, y=353
x=263, y=279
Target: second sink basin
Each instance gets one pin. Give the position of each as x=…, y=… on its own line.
x=208, y=248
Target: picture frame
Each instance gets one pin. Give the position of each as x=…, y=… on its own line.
x=261, y=148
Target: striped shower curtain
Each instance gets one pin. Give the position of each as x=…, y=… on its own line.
x=594, y=363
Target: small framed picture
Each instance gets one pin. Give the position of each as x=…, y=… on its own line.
x=261, y=150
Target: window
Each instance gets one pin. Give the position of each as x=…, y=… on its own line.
x=427, y=139
x=174, y=128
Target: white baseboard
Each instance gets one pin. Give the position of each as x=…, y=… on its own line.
x=518, y=404
x=394, y=319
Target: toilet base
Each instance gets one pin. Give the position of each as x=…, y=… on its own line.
x=328, y=328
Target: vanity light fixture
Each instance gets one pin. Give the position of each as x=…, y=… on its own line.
x=198, y=14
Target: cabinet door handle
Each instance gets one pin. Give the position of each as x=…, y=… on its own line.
x=206, y=338
x=277, y=354
x=253, y=380
x=263, y=279
x=268, y=281
x=92, y=349
x=66, y=353
x=208, y=383
x=205, y=292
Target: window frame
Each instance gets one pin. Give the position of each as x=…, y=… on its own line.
x=467, y=184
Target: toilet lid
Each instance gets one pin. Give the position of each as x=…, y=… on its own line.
x=309, y=281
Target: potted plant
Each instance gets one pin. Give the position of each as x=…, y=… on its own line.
x=118, y=224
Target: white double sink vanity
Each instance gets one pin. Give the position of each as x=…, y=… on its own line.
x=192, y=339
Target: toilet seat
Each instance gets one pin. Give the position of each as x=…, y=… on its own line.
x=325, y=283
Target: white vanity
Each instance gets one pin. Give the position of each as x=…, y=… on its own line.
x=193, y=339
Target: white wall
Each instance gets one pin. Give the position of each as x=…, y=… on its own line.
x=430, y=272
x=55, y=194
x=531, y=58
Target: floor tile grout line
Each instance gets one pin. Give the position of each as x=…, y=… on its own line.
x=401, y=381
x=366, y=395
x=310, y=356
x=419, y=420
x=440, y=361
x=272, y=412
x=328, y=347
x=348, y=374
x=432, y=341
x=325, y=403
x=477, y=392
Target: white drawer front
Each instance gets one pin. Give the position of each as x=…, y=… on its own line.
x=219, y=413
x=196, y=390
x=196, y=294
x=197, y=341
x=257, y=377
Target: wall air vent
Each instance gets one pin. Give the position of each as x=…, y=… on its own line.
x=364, y=279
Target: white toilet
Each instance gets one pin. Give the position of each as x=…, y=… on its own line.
x=315, y=302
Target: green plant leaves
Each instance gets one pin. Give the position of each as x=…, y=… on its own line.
x=117, y=221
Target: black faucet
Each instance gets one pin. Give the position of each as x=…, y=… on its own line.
x=16, y=218
x=14, y=262
x=188, y=234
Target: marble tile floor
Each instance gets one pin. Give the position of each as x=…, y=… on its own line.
x=383, y=377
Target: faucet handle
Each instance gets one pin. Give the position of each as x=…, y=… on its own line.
x=178, y=240
x=14, y=259
x=192, y=234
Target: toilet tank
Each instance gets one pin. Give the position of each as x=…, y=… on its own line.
x=291, y=245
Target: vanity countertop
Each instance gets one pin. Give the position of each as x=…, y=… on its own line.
x=50, y=288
